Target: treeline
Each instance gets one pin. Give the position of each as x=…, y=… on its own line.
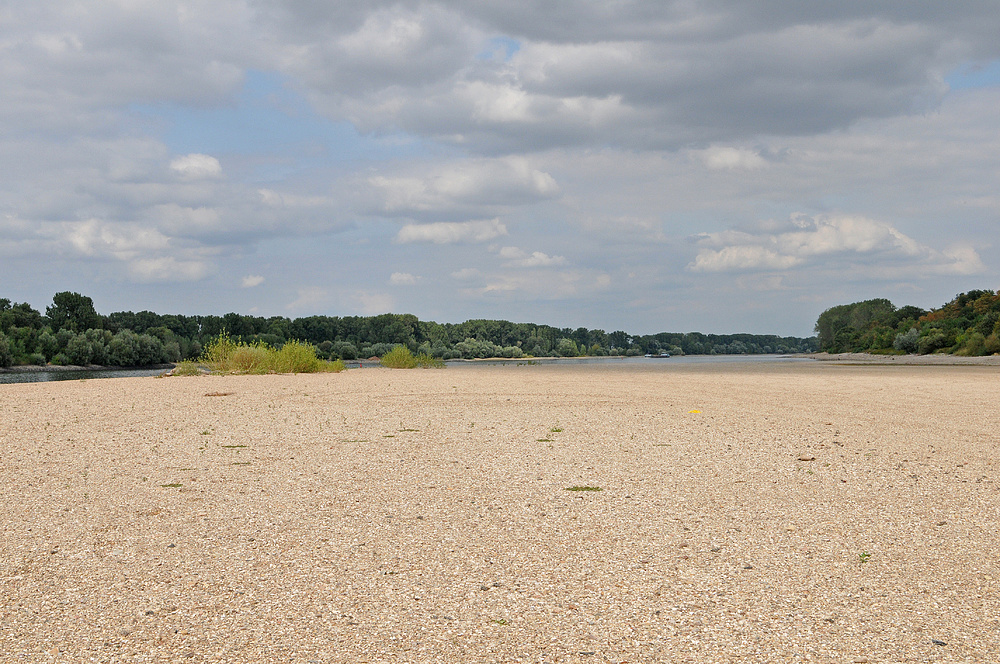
x=968, y=325
x=72, y=332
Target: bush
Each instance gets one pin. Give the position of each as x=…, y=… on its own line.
x=345, y=350
x=399, y=357
x=297, y=357
x=934, y=340
x=99, y=340
x=974, y=344
x=225, y=355
x=151, y=350
x=78, y=350
x=907, y=341
x=123, y=350
x=567, y=348
x=47, y=344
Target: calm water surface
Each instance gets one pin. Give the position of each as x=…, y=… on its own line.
x=86, y=374
x=81, y=374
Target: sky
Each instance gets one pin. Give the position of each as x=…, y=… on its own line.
x=718, y=166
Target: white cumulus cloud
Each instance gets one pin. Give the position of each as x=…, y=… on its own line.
x=252, y=280
x=196, y=166
x=864, y=243
x=727, y=158
x=517, y=257
x=402, y=279
x=446, y=232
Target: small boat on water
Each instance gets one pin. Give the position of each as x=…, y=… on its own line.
x=658, y=356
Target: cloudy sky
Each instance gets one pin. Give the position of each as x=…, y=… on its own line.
x=710, y=165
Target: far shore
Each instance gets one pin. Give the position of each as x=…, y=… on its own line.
x=937, y=359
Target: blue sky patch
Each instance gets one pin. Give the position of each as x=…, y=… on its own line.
x=975, y=75
x=269, y=116
x=500, y=48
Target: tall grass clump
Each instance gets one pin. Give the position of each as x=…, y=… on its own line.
x=400, y=357
x=224, y=355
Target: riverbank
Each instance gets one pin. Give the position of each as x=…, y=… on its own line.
x=936, y=359
x=754, y=512
x=41, y=368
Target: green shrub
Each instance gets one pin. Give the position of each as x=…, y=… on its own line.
x=399, y=357
x=227, y=356
x=123, y=350
x=934, y=340
x=79, y=350
x=297, y=357
x=37, y=359
x=907, y=341
x=47, y=344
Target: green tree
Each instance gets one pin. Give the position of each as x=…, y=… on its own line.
x=72, y=311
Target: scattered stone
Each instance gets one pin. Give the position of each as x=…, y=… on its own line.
x=938, y=643
x=806, y=457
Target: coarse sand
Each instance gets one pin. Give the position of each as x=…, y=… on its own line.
x=784, y=511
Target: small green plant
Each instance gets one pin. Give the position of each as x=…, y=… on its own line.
x=233, y=447
x=864, y=556
x=584, y=488
x=400, y=357
x=173, y=485
x=500, y=621
x=556, y=429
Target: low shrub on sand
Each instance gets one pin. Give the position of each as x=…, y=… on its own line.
x=186, y=369
x=224, y=355
x=400, y=357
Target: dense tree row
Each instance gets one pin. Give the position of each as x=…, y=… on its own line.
x=72, y=332
x=968, y=325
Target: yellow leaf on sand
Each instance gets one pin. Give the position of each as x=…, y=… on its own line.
x=694, y=411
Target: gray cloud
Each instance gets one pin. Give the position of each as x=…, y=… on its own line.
x=595, y=136
x=641, y=75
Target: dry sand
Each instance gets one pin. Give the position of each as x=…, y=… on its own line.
x=808, y=512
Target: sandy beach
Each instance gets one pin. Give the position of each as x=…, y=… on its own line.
x=747, y=512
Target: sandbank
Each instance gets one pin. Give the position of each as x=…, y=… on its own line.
x=757, y=512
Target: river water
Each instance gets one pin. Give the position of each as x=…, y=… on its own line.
x=42, y=376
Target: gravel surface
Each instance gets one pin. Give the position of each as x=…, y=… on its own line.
x=783, y=511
